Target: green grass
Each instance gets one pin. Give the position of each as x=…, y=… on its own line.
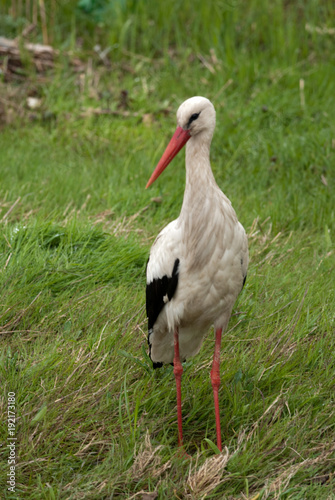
x=93, y=419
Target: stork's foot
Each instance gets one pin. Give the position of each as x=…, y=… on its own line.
x=181, y=453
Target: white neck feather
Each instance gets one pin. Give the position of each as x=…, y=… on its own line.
x=200, y=181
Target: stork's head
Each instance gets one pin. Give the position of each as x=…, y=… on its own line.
x=194, y=116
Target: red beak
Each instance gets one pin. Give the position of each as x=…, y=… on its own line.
x=178, y=140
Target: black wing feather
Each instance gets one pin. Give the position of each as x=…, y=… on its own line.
x=156, y=291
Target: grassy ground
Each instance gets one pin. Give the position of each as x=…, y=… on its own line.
x=92, y=418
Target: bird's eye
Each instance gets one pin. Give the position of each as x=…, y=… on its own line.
x=192, y=118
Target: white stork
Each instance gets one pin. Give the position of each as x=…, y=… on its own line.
x=198, y=263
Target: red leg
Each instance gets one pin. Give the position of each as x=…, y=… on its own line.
x=215, y=378
x=178, y=371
